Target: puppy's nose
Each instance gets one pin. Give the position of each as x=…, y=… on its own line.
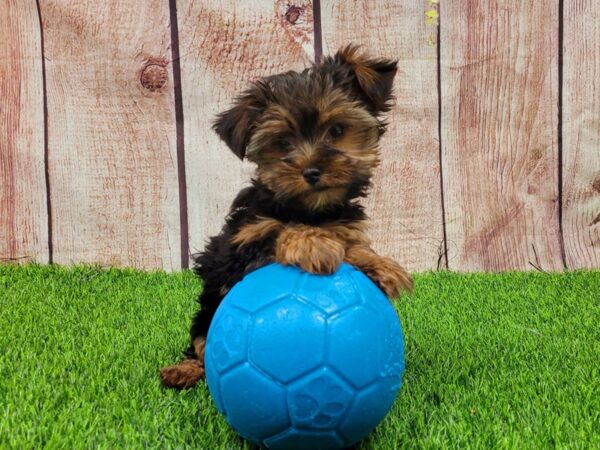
x=311, y=175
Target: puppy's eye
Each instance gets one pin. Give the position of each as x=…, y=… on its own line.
x=281, y=144
x=336, y=131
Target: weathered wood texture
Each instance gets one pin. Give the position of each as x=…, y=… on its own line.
x=405, y=202
x=499, y=73
x=481, y=180
x=223, y=45
x=581, y=133
x=23, y=211
x=111, y=133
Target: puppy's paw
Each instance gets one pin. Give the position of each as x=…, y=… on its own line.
x=184, y=375
x=312, y=249
x=390, y=277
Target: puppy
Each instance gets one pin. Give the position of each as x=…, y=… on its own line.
x=313, y=136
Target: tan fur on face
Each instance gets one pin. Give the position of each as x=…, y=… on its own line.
x=361, y=146
x=282, y=153
x=361, y=130
x=277, y=121
x=256, y=231
x=313, y=249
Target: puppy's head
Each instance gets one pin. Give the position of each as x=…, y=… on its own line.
x=314, y=134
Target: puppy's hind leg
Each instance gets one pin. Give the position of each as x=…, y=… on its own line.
x=188, y=372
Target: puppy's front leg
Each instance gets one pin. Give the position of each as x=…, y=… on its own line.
x=385, y=272
x=313, y=249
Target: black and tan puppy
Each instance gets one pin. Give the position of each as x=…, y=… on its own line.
x=314, y=138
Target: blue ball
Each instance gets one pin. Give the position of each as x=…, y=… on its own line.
x=301, y=361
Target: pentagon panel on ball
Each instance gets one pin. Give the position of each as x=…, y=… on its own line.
x=302, y=361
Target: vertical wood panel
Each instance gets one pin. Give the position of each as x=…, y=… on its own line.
x=112, y=146
x=224, y=45
x=405, y=203
x=581, y=133
x=499, y=73
x=23, y=212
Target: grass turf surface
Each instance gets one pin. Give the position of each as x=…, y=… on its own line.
x=493, y=361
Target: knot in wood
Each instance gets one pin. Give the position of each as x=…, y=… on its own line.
x=293, y=14
x=154, y=77
x=596, y=183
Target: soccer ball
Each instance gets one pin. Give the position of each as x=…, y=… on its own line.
x=301, y=361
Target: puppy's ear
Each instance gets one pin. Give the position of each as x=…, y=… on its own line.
x=236, y=125
x=374, y=77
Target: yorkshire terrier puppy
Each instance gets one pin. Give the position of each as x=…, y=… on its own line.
x=313, y=136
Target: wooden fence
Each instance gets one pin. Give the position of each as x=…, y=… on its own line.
x=492, y=161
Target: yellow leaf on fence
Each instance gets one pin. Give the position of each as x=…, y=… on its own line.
x=431, y=17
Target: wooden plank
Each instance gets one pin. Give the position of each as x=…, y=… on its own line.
x=405, y=203
x=223, y=45
x=23, y=211
x=111, y=132
x=499, y=72
x=581, y=133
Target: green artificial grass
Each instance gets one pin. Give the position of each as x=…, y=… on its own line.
x=493, y=361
